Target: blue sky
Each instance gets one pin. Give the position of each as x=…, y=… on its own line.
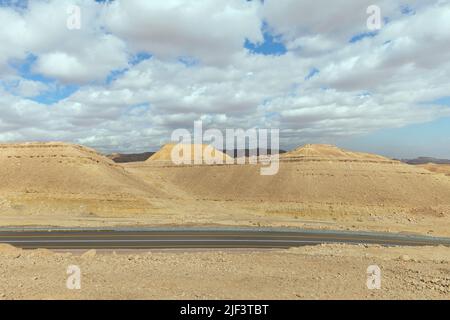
x=425, y=139
x=271, y=45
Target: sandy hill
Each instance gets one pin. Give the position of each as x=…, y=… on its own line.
x=164, y=154
x=330, y=152
x=75, y=185
x=437, y=168
x=66, y=173
x=322, y=176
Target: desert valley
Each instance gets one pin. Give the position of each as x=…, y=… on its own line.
x=317, y=186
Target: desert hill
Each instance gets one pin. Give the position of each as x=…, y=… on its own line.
x=315, y=183
x=320, y=175
x=437, y=168
x=330, y=152
x=60, y=167
x=164, y=154
x=39, y=174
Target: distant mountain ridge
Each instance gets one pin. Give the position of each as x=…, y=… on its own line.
x=425, y=160
x=132, y=157
x=140, y=157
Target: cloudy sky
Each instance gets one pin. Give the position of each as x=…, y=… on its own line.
x=138, y=69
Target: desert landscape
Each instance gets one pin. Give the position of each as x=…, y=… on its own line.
x=317, y=186
x=53, y=185
x=224, y=149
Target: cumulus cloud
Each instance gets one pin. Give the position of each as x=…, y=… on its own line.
x=196, y=67
x=75, y=56
x=209, y=30
x=23, y=87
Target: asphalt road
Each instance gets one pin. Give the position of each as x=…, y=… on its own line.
x=197, y=238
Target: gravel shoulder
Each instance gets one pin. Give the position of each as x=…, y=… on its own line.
x=312, y=272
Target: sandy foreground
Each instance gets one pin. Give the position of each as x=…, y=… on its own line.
x=318, y=272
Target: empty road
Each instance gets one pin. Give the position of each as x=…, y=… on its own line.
x=198, y=238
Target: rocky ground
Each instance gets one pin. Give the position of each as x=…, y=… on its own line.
x=319, y=272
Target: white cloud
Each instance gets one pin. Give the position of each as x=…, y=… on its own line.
x=76, y=56
x=30, y=88
x=326, y=24
x=209, y=30
x=91, y=63
x=379, y=82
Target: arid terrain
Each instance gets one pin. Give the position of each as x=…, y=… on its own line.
x=437, y=168
x=317, y=186
x=321, y=272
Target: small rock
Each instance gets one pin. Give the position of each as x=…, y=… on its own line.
x=405, y=257
x=89, y=254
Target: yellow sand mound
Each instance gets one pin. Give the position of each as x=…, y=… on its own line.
x=330, y=152
x=320, y=175
x=437, y=168
x=165, y=154
x=61, y=168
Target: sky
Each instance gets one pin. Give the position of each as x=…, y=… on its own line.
x=136, y=70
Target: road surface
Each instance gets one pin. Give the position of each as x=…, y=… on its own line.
x=198, y=238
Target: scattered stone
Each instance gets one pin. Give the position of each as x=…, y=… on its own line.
x=405, y=257
x=89, y=254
